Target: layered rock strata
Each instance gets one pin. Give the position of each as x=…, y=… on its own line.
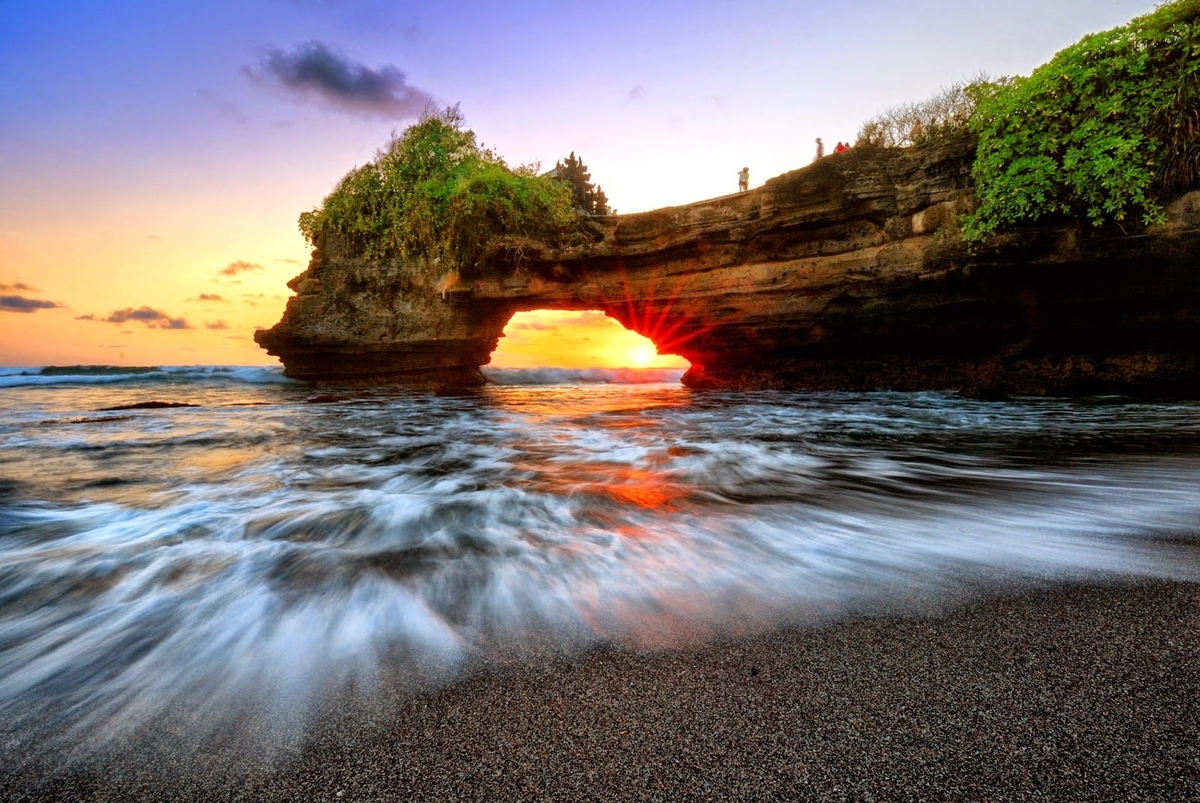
x=846, y=274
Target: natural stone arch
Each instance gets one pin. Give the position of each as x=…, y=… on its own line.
x=841, y=275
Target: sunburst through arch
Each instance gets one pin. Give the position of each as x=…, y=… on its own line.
x=576, y=339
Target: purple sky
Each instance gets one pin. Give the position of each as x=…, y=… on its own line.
x=145, y=147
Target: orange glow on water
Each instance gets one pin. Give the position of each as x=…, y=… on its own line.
x=567, y=339
x=644, y=489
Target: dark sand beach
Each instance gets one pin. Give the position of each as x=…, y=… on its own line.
x=1081, y=692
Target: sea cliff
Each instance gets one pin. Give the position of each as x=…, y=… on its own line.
x=845, y=274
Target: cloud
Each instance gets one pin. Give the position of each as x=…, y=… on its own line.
x=585, y=318
x=226, y=109
x=536, y=326
x=315, y=70
x=636, y=94
x=4, y=288
x=152, y=318
x=312, y=3
x=22, y=304
x=241, y=266
x=208, y=297
x=215, y=325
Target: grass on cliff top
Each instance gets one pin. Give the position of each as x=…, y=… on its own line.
x=437, y=198
x=1107, y=130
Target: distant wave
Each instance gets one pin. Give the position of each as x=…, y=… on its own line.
x=262, y=375
x=581, y=376
x=114, y=374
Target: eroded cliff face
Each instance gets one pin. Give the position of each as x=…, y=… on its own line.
x=845, y=274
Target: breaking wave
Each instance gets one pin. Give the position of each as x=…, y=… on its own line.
x=582, y=376
x=118, y=374
x=227, y=568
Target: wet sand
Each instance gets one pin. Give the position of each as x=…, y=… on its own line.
x=1070, y=693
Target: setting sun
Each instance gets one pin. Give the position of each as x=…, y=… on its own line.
x=586, y=339
x=641, y=356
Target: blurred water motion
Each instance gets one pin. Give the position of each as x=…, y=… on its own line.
x=202, y=566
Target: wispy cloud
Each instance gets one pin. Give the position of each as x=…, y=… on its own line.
x=209, y=297
x=313, y=3
x=215, y=325
x=23, y=304
x=152, y=318
x=585, y=318
x=19, y=286
x=535, y=326
x=638, y=93
x=223, y=107
x=317, y=71
x=241, y=266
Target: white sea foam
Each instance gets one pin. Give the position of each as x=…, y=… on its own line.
x=233, y=564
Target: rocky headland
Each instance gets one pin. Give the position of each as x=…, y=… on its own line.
x=845, y=274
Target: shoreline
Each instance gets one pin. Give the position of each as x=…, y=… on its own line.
x=1079, y=691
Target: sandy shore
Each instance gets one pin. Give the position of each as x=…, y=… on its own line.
x=1071, y=693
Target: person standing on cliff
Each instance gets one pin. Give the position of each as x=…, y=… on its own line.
x=744, y=179
x=820, y=149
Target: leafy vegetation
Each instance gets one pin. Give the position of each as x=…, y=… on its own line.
x=1105, y=130
x=949, y=111
x=434, y=195
x=589, y=199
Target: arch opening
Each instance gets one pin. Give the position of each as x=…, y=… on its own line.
x=577, y=339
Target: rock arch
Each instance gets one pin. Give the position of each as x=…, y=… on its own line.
x=842, y=275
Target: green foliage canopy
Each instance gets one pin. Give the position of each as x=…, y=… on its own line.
x=1105, y=130
x=435, y=194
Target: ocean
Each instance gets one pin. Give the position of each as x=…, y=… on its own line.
x=228, y=566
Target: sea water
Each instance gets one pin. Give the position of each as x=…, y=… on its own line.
x=235, y=562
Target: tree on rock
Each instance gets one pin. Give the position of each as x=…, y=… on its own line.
x=588, y=198
x=436, y=197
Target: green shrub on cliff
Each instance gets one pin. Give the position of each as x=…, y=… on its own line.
x=435, y=194
x=1105, y=130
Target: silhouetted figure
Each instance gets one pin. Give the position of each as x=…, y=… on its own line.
x=744, y=179
x=820, y=149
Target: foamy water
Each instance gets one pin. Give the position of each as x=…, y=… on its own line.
x=227, y=565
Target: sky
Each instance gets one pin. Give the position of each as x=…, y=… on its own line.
x=154, y=156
